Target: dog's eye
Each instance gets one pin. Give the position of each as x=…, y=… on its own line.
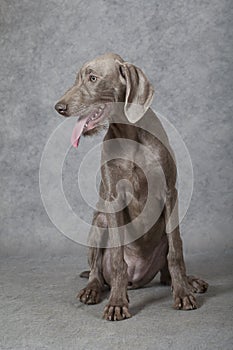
x=93, y=78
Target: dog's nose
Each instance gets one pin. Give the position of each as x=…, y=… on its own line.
x=61, y=108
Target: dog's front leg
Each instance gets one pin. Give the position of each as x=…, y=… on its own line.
x=117, y=307
x=92, y=292
x=182, y=291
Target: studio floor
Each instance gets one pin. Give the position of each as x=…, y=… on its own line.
x=38, y=310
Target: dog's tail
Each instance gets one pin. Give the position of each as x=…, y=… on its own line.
x=85, y=274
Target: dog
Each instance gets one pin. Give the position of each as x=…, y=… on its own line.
x=125, y=253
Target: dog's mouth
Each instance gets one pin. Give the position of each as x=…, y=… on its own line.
x=86, y=123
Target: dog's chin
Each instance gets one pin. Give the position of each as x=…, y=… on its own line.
x=89, y=124
x=96, y=130
x=96, y=120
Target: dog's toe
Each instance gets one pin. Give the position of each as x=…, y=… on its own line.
x=116, y=313
x=187, y=302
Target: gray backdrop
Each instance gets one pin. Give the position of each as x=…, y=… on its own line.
x=184, y=47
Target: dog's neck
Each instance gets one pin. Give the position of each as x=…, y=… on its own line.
x=118, y=130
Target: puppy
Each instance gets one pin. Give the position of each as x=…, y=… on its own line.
x=132, y=238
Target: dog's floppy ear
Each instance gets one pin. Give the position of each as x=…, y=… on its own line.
x=139, y=92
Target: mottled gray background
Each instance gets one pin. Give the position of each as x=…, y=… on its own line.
x=185, y=48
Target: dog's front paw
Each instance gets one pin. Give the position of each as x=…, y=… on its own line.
x=116, y=313
x=184, y=299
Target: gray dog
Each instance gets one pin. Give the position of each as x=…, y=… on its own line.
x=109, y=89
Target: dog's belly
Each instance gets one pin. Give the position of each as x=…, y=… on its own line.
x=142, y=268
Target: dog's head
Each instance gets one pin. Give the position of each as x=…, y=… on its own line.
x=100, y=83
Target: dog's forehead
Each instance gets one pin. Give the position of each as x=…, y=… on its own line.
x=101, y=67
x=103, y=64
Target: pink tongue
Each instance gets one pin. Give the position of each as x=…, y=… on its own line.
x=77, y=131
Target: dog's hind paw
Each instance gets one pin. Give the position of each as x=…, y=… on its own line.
x=91, y=294
x=197, y=285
